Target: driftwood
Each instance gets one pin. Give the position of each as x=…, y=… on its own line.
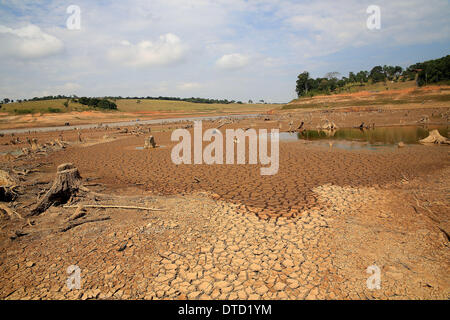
x=112, y=206
x=224, y=123
x=435, y=137
x=327, y=125
x=9, y=211
x=79, y=212
x=65, y=185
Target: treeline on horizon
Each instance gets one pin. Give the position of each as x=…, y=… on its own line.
x=423, y=73
x=102, y=102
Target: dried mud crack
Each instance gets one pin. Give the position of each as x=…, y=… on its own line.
x=203, y=249
x=309, y=232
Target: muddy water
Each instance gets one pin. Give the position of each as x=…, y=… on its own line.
x=370, y=139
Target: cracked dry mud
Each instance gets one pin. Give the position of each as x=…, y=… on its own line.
x=309, y=232
x=202, y=248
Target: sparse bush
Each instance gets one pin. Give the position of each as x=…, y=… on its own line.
x=23, y=111
x=54, y=110
x=98, y=103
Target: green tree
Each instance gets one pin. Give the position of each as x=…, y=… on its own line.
x=377, y=74
x=302, y=84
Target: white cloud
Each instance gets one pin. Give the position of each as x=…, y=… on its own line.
x=28, y=42
x=167, y=50
x=268, y=42
x=185, y=86
x=325, y=27
x=67, y=89
x=233, y=61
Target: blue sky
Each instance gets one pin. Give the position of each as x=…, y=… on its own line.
x=234, y=49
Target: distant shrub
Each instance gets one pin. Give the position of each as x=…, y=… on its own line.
x=106, y=104
x=54, y=110
x=98, y=103
x=23, y=111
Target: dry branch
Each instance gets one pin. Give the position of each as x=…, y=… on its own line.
x=113, y=206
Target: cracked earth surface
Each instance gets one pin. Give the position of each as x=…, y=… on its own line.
x=200, y=248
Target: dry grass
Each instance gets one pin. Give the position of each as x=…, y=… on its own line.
x=131, y=105
x=43, y=106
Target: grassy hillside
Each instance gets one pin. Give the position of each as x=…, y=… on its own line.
x=132, y=105
x=43, y=106
x=377, y=87
x=374, y=95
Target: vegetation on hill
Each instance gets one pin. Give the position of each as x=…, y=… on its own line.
x=424, y=73
x=97, y=103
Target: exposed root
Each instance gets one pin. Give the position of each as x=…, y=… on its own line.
x=9, y=211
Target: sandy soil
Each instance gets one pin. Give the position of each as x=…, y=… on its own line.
x=309, y=232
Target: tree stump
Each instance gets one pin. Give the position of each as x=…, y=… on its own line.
x=435, y=137
x=150, y=142
x=7, y=185
x=34, y=144
x=65, y=185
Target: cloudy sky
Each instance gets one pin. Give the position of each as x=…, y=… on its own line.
x=234, y=49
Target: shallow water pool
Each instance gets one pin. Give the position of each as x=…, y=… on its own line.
x=372, y=139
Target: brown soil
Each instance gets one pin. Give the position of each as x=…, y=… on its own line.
x=333, y=214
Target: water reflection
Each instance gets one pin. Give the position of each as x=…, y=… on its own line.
x=370, y=139
x=383, y=135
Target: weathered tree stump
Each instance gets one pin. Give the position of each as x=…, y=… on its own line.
x=150, y=142
x=435, y=137
x=34, y=144
x=65, y=185
x=7, y=185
